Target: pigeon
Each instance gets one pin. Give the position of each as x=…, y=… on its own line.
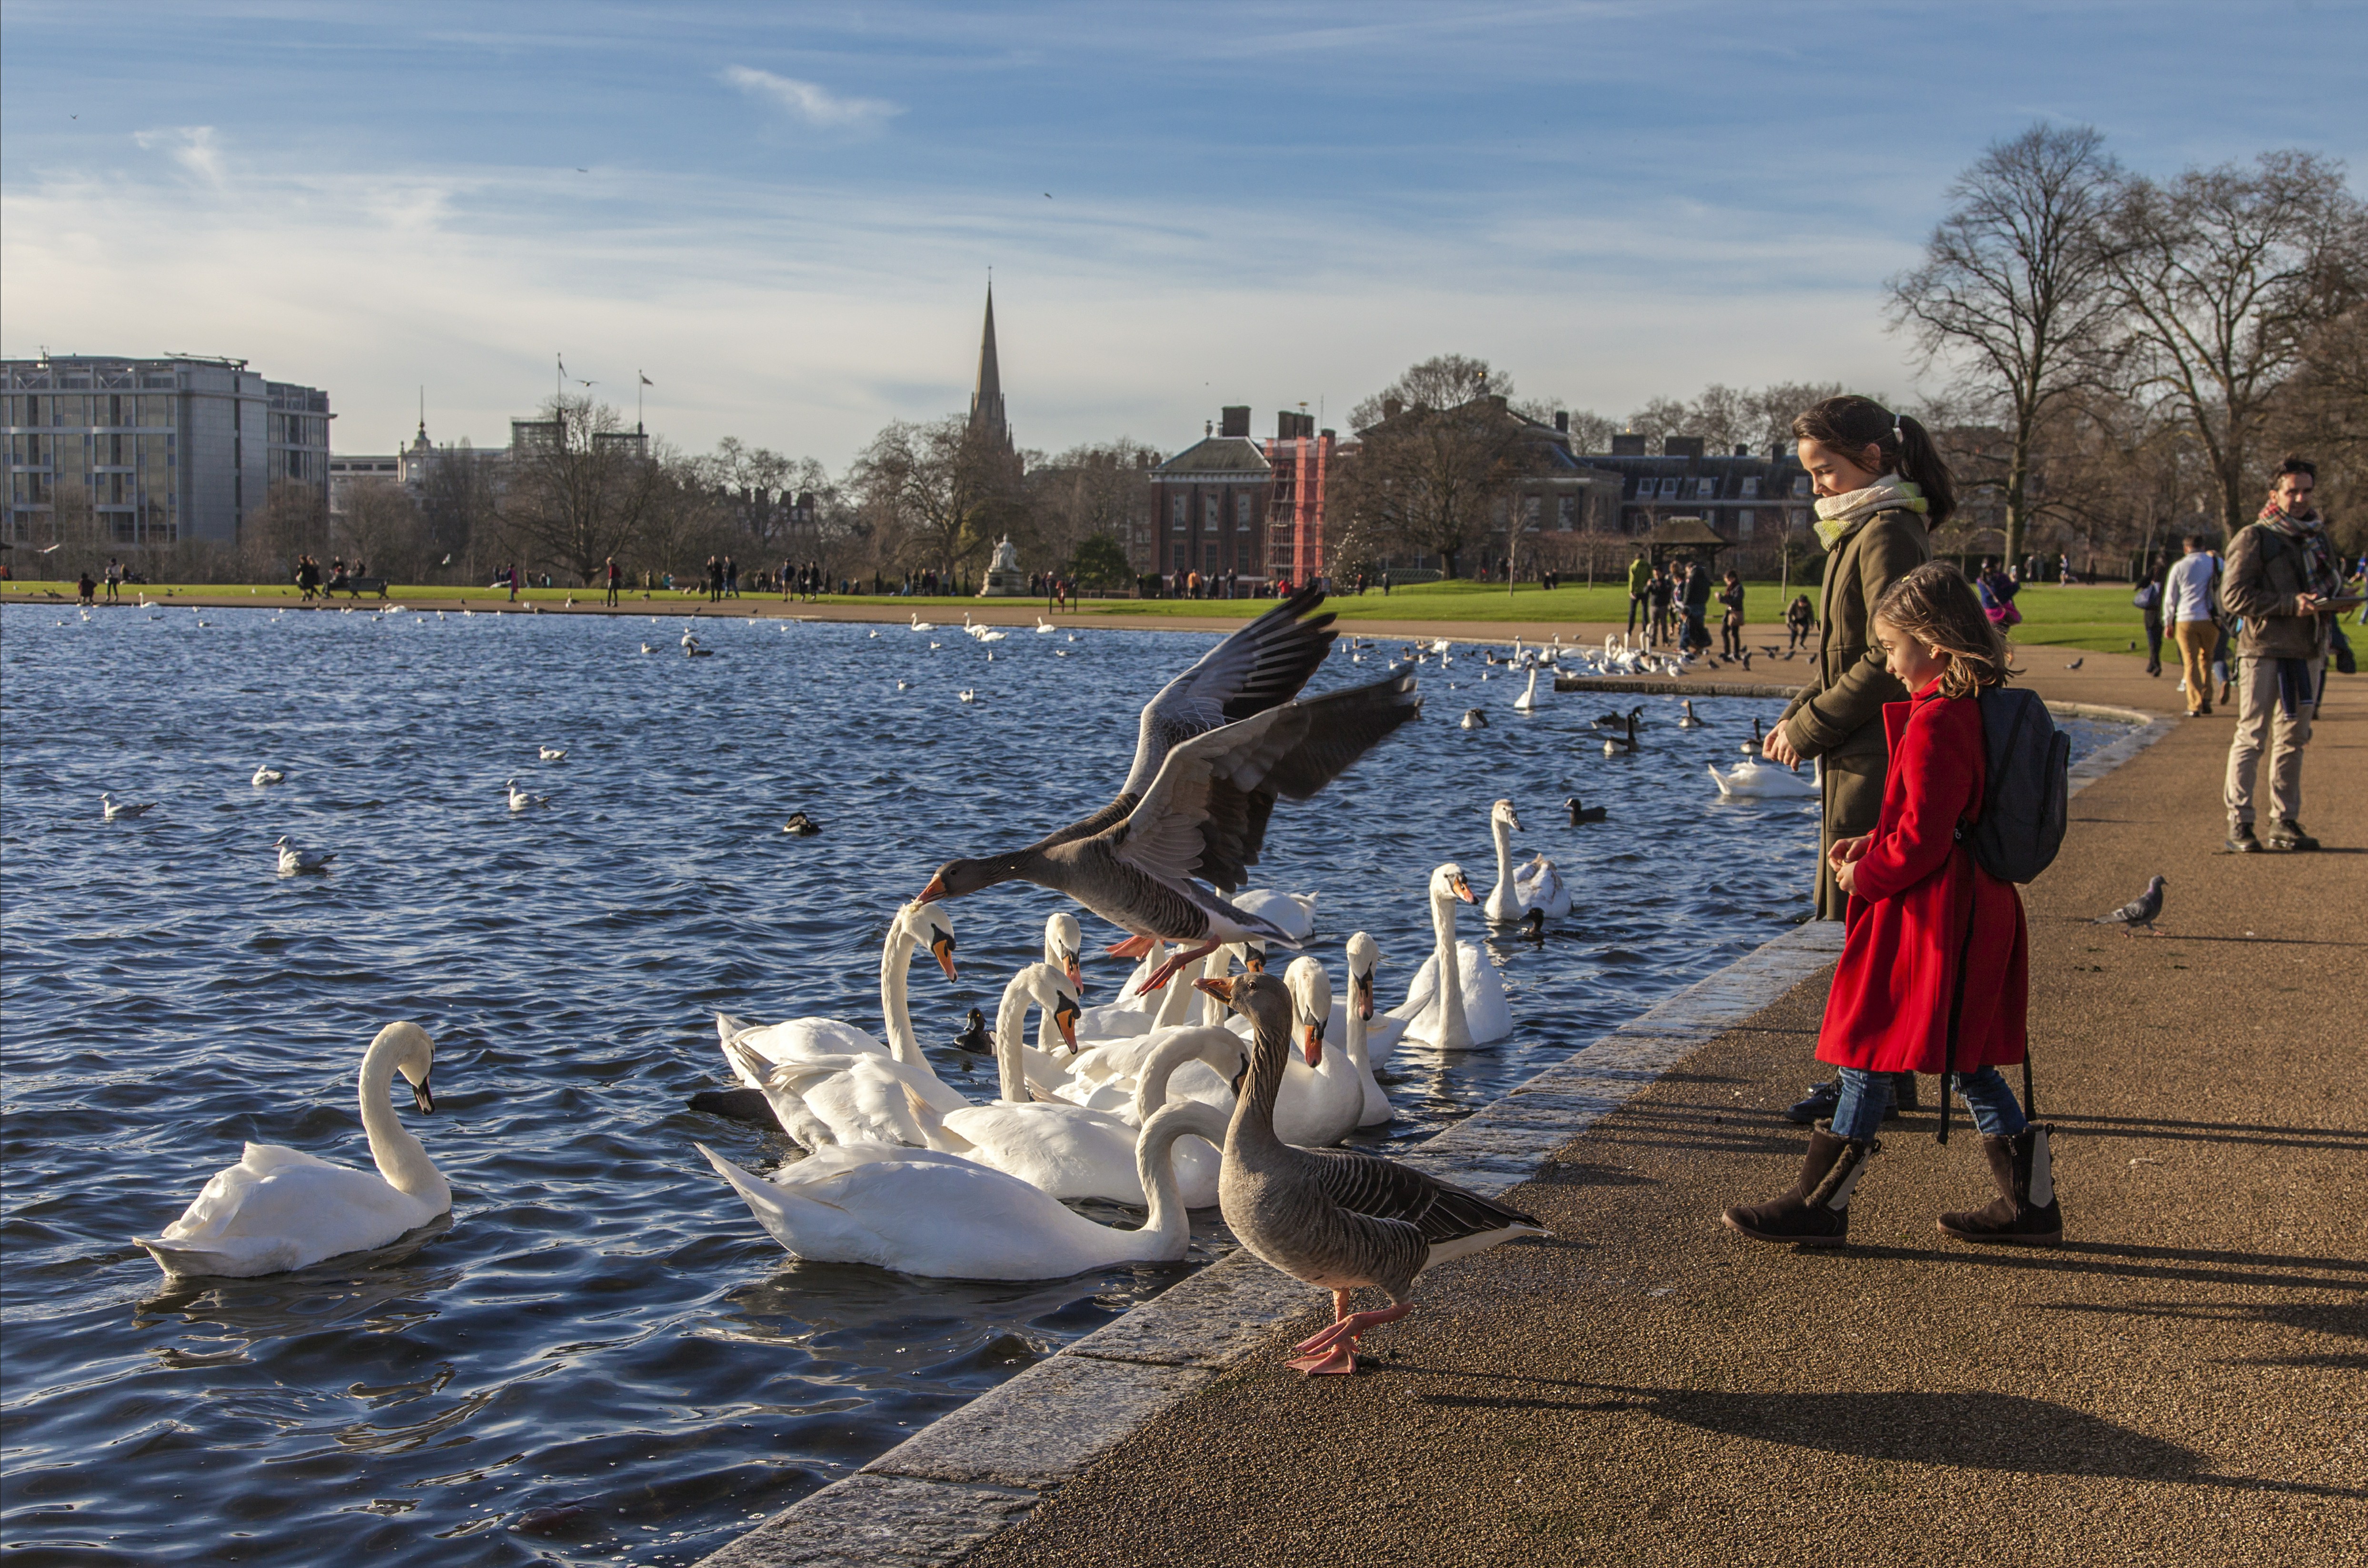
x=550, y=753
x=1581, y=815
x=114, y=809
x=800, y=826
x=267, y=774
x=292, y=860
x=1474, y=720
x=2143, y=910
x=2077, y=663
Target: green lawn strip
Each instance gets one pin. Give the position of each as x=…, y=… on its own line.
x=2098, y=619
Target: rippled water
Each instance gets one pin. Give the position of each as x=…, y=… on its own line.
x=601, y=1358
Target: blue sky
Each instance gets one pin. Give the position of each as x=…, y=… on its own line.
x=785, y=214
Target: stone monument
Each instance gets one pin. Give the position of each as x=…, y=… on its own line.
x=1005, y=580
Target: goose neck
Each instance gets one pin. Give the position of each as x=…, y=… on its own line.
x=1253, y=1121
x=400, y=1157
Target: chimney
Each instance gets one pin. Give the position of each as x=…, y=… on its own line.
x=1742, y=451
x=1561, y=420
x=1236, y=420
x=1627, y=446
x=1392, y=407
x=1682, y=445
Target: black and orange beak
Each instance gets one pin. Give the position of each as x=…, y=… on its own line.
x=422, y=1096
x=1315, y=1045
x=942, y=948
x=1074, y=971
x=1254, y=963
x=1222, y=990
x=1463, y=889
x=1065, y=1018
x=1361, y=988
x=934, y=892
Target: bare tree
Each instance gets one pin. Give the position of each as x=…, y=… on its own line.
x=1439, y=451
x=381, y=525
x=2322, y=410
x=2224, y=276
x=2014, y=293
x=292, y=520
x=587, y=490
x=1590, y=431
x=935, y=494
x=459, y=506
x=1103, y=490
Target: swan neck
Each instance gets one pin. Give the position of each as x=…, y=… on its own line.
x=400, y=1157
x=1452, y=1029
x=1502, y=831
x=1010, y=1018
x=895, y=1010
x=1155, y=1164
x=1352, y=1029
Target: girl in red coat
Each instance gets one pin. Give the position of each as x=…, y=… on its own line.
x=1913, y=888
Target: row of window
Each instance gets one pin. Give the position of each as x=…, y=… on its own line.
x=1705, y=488
x=114, y=409
x=1215, y=507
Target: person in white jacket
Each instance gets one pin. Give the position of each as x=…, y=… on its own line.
x=2187, y=596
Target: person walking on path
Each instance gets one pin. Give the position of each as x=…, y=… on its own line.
x=2283, y=580
x=1920, y=907
x=1640, y=579
x=1800, y=619
x=1730, y=624
x=1882, y=488
x=2190, y=592
x=1659, y=592
x=613, y=576
x=2148, y=598
x=1696, y=636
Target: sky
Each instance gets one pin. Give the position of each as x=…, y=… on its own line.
x=785, y=216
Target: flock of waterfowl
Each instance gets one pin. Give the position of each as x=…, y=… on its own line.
x=1197, y=1086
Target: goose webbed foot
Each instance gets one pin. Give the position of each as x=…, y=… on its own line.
x=1133, y=948
x=1167, y=972
x=1333, y=1350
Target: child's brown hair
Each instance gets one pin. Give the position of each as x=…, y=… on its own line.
x=1936, y=606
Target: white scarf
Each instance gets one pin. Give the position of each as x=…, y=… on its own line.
x=1839, y=515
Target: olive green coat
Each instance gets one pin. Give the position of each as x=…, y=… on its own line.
x=1837, y=716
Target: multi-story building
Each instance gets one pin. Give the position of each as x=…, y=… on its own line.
x=161, y=450
x=1209, y=504
x=1749, y=498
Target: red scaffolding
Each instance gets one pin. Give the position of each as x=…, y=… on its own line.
x=1295, y=507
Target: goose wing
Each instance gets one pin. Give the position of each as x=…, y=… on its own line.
x=1383, y=1189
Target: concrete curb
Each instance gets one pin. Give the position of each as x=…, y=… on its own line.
x=938, y=1495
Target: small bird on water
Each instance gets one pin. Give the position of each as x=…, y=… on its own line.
x=267, y=774
x=1581, y=815
x=1474, y=720
x=115, y=809
x=800, y=826
x=2143, y=910
x=292, y=860
x=521, y=799
x=550, y=753
x=975, y=1038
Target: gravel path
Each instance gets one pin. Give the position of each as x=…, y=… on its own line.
x=2183, y=1382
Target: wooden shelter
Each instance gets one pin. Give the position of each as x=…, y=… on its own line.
x=1683, y=539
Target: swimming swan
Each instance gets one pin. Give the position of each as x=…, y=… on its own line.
x=279, y=1208
x=1470, y=1008
x=1762, y=780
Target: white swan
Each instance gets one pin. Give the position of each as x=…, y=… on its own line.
x=1762, y=780
x=279, y=1208
x=265, y=775
x=1528, y=701
x=519, y=800
x=1292, y=913
x=550, y=753
x=917, y=926
x=1457, y=999
x=1504, y=903
x=1062, y=941
x=1045, y=627
x=920, y=625
x=1540, y=885
x=948, y=1218
x=1359, y=1034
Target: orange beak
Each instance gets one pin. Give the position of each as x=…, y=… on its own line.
x=1222, y=990
x=934, y=892
x=1315, y=1046
x=1065, y=1018
x=1463, y=890
x=1075, y=972
x=942, y=949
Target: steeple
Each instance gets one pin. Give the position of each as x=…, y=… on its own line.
x=986, y=401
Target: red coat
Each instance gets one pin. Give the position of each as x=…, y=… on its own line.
x=1889, y=1006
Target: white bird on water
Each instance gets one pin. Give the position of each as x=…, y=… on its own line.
x=115, y=809
x=519, y=800
x=267, y=774
x=552, y=754
x=292, y=860
x=968, y=694
x=1761, y=780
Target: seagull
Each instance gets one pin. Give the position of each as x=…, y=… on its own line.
x=292, y=860
x=1580, y=815
x=800, y=826
x=647, y=648
x=2143, y=910
x=267, y=774
x=2077, y=663
x=550, y=753
x=521, y=799
x=107, y=803
x=901, y=685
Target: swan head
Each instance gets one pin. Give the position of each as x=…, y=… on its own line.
x=1449, y=883
x=1311, y=1004
x=928, y=925
x=414, y=1055
x=1502, y=812
x=1062, y=939
x=1251, y=954
x=1051, y=990
x=1364, y=957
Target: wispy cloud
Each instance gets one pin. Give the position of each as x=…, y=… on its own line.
x=811, y=102
x=191, y=146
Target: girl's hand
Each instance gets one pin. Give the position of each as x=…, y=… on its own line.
x=1846, y=876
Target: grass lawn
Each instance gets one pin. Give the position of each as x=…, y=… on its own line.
x=2100, y=619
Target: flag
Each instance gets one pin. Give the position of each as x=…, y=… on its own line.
x=563, y=363
x=645, y=380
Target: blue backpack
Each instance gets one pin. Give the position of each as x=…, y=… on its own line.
x=2029, y=784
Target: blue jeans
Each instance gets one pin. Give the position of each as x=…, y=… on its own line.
x=1867, y=1095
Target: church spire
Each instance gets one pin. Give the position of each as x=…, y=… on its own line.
x=986, y=401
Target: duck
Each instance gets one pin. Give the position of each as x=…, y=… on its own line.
x=1456, y=1000
x=293, y=860
x=280, y=1208
x=1474, y=720
x=1686, y=720
x=968, y=694
x=519, y=800
x=1619, y=745
x=941, y=1216
x=550, y=753
x=1336, y=1217
x=266, y=775
x=1581, y=815
x=976, y=1038
x=1528, y=701
x=800, y=826
x=114, y=810
x=1762, y=780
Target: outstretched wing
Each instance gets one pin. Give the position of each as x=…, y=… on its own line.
x=1197, y=809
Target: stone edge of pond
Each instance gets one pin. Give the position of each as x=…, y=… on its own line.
x=979, y=1469
x=937, y=1496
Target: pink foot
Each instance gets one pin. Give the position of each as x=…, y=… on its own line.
x=1340, y=1360
x=1133, y=948
x=1167, y=972
x=1349, y=1327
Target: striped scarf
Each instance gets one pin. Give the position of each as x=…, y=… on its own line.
x=2310, y=538
x=1839, y=515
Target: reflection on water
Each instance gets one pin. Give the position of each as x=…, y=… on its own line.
x=600, y=1356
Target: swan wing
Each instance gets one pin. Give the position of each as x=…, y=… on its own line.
x=1064, y=1150
x=280, y=1208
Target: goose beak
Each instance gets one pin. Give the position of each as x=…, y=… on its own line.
x=422, y=1096
x=1222, y=990
x=934, y=892
x=942, y=948
x=1314, y=1045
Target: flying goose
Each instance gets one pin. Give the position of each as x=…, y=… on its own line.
x=1334, y=1217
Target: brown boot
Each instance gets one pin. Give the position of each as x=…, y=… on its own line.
x=1817, y=1211
x=2025, y=1213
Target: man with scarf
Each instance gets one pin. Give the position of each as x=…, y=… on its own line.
x=2282, y=578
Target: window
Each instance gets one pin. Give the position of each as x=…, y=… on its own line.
x=1801, y=484
x=1705, y=489
x=1743, y=524
x=1669, y=489
x=1750, y=490
x=1209, y=514
x=1182, y=518
x=1568, y=513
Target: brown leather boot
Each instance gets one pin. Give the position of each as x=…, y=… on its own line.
x=2025, y=1213
x=1817, y=1211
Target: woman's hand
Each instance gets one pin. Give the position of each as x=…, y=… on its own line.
x=1777, y=748
x=1847, y=850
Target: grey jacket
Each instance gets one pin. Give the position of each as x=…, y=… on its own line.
x=2267, y=571
x=1839, y=713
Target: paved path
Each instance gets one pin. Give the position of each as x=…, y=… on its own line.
x=2185, y=1381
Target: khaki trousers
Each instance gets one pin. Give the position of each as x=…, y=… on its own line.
x=2196, y=639
x=2262, y=724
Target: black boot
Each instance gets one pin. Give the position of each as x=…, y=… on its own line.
x=1817, y=1211
x=1903, y=1095
x=2025, y=1213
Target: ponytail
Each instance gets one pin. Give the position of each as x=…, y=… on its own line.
x=1850, y=423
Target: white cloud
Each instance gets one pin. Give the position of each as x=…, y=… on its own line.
x=191, y=146
x=814, y=104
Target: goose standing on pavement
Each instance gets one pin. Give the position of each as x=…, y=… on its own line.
x=1216, y=749
x=1332, y=1217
